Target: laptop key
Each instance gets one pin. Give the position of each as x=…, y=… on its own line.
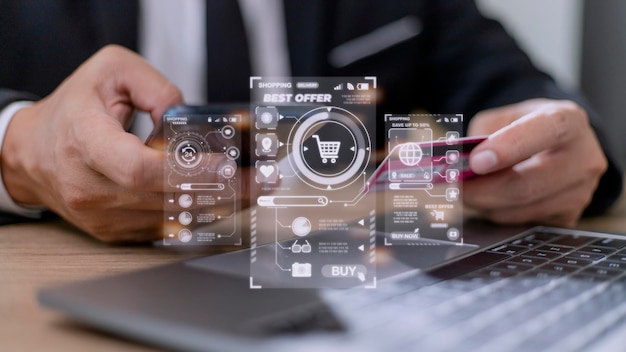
x=610, y=264
x=555, y=248
x=598, y=250
x=526, y=243
x=525, y=259
x=601, y=272
x=542, y=236
x=559, y=269
x=610, y=243
x=541, y=275
x=497, y=272
x=573, y=241
x=580, y=263
x=509, y=249
x=542, y=254
x=584, y=255
x=513, y=266
x=618, y=257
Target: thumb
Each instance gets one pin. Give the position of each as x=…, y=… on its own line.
x=129, y=81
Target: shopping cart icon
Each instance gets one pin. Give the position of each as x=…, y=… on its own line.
x=438, y=214
x=328, y=150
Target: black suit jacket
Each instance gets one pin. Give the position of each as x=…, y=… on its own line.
x=459, y=62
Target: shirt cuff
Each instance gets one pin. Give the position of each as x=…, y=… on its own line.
x=7, y=204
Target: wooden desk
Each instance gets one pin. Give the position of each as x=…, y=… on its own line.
x=37, y=255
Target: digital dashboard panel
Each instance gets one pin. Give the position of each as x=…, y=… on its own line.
x=421, y=178
x=313, y=153
x=296, y=174
x=202, y=175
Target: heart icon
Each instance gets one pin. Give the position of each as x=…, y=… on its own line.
x=266, y=170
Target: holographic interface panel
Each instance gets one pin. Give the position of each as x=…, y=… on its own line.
x=421, y=178
x=202, y=175
x=313, y=152
x=297, y=175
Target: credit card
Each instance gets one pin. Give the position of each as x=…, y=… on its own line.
x=431, y=162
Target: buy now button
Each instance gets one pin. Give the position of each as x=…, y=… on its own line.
x=344, y=271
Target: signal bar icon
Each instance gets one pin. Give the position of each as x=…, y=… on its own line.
x=339, y=86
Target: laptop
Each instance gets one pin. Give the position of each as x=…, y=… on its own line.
x=541, y=289
x=344, y=252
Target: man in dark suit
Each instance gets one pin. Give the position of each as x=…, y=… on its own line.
x=69, y=152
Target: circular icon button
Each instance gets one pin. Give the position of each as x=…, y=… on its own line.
x=188, y=153
x=185, y=235
x=185, y=218
x=410, y=154
x=232, y=153
x=228, y=171
x=185, y=200
x=301, y=226
x=228, y=132
x=330, y=148
x=267, y=117
x=453, y=234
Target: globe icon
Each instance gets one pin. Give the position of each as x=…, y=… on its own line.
x=410, y=154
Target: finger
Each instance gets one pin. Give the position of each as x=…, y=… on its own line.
x=488, y=121
x=129, y=80
x=530, y=180
x=122, y=157
x=540, y=130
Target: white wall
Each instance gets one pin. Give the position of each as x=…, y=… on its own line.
x=549, y=30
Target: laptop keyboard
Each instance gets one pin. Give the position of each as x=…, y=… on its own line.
x=542, y=291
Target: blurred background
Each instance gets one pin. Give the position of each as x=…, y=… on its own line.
x=582, y=43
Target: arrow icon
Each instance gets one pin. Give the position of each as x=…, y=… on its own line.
x=362, y=248
x=362, y=222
